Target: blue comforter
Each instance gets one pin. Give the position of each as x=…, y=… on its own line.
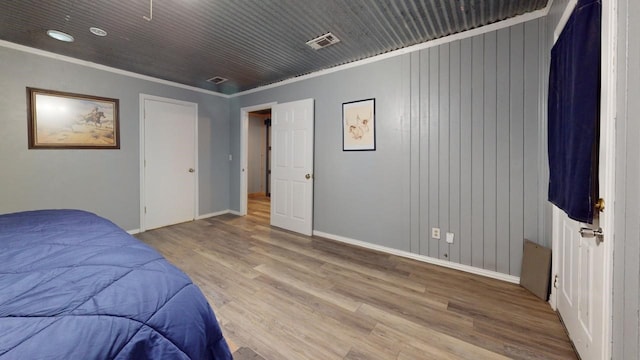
x=76, y=286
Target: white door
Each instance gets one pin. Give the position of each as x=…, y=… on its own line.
x=581, y=294
x=584, y=263
x=292, y=168
x=169, y=162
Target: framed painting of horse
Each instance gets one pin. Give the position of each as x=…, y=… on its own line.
x=62, y=120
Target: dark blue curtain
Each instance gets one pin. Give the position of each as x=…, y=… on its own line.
x=574, y=113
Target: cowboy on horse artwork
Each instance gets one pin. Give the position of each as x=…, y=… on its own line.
x=95, y=117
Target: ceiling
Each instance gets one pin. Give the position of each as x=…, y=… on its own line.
x=250, y=42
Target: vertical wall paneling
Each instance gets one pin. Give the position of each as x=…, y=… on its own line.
x=465, y=152
x=454, y=149
x=490, y=140
x=516, y=152
x=502, y=152
x=423, y=194
x=434, y=148
x=626, y=252
x=531, y=116
x=468, y=114
x=544, y=207
x=477, y=146
x=403, y=111
x=415, y=152
x=444, y=162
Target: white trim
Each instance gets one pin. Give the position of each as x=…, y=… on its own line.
x=233, y=212
x=563, y=19
x=69, y=59
x=133, y=232
x=141, y=152
x=244, y=149
x=608, y=108
x=425, y=45
x=426, y=259
x=555, y=249
x=141, y=107
x=213, y=214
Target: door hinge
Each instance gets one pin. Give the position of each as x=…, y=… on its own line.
x=555, y=281
x=145, y=209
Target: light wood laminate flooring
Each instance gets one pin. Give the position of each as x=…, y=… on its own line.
x=288, y=296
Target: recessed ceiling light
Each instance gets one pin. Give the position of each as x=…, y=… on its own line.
x=59, y=35
x=97, y=31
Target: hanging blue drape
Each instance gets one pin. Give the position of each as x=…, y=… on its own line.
x=574, y=113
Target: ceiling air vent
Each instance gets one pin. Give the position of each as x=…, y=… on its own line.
x=217, y=80
x=323, y=41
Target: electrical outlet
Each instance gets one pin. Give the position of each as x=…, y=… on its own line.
x=450, y=238
x=435, y=233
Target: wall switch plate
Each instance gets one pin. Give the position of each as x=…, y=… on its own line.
x=435, y=233
x=450, y=238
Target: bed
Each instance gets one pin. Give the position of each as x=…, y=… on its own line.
x=75, y=286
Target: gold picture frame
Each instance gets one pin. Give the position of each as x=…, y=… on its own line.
x=62, y=120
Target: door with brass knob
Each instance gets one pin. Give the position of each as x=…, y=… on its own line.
x=291, y=165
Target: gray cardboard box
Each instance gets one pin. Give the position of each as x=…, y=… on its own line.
x=536, y=269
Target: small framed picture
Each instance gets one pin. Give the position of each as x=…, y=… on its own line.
x=60, y=120
x=359, y=125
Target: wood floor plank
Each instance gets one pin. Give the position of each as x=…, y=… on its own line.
x=292, y=297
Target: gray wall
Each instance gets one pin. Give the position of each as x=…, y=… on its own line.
x=626, y=256
x=102, y=181
x=458, y=136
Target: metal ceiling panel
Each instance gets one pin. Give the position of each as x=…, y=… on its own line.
x=250, y=42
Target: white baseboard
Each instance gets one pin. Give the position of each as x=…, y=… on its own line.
x=133, y=232
x=234, y=212
x=217, y=213
x=426, y=259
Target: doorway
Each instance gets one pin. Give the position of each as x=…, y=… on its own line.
x=259, y=164
x=291, y=177
x=244, y=152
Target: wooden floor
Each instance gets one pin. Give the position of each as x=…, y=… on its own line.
x=287, y=296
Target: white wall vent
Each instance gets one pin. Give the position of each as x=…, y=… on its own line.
x=217, y=80
x=323, y=41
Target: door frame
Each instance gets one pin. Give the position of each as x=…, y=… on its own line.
x=143, y=179
x=244, y=151
x=607, y=157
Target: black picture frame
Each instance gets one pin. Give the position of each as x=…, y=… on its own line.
x=359, y=125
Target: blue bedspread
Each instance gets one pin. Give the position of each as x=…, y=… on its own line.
x=75, y=286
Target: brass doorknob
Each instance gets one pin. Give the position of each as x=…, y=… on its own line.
x=308, y=176
x=192, y=170
x=600, y=205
